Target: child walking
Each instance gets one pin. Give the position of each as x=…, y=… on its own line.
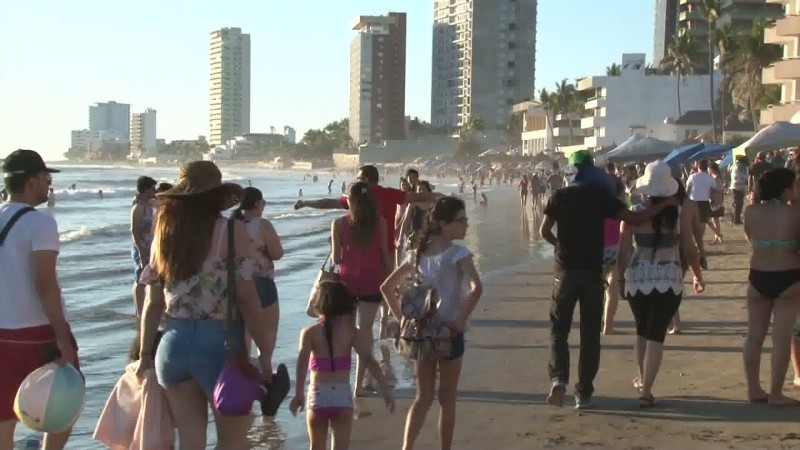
x=450, y=267
x=325, y=349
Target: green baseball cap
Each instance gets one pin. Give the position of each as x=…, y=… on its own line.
x=581, y=157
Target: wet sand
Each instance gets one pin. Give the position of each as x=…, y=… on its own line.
x=700, y=389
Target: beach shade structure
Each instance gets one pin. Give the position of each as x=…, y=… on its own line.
x=682, y=154
x=711, y=152
x=773, y=137
x=642, y=150
x=51, y=398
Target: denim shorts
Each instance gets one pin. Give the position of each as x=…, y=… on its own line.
x=192, y=350
x=267, y=291
x=458, y=347
x=137, y=264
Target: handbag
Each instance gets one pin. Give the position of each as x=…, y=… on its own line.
x=238, y=384
x=324, y=275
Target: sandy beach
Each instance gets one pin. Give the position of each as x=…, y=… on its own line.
x=700, y=389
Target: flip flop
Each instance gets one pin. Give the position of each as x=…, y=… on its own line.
x=276, y=391
x=647, y=401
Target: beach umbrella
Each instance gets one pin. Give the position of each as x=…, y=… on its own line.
x=642, y=150
x=711, y=151
x=727, y=160
x=773, y=137
x=682, y=154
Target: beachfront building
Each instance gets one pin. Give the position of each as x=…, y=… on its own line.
x=483, y=60
x=229, y=109
x=638, y=100
x=290, y=134
x=111, y=117
x=543, y=133
x=786, y=73
x=378, y=78
x=739, y=14
x=143, y=134
x=664, y=27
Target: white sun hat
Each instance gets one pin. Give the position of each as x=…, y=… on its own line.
x=657, y=181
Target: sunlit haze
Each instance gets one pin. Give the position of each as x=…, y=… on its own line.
x=60, y=56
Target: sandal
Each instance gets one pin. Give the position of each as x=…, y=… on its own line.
x=647, y=401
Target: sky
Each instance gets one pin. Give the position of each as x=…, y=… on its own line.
x=60, y=56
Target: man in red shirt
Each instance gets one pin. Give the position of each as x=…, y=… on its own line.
x=387, y=200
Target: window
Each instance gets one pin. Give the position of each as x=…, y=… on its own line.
x=511, y=64
x=512, y=45
x=512, y=26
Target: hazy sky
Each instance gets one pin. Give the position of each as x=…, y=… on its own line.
x=60, y=56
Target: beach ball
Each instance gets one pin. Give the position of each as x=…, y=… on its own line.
x=51, y=398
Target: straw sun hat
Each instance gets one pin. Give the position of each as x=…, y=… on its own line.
x=657, y=181
x=200, y=177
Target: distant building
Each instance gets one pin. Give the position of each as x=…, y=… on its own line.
x=786, y=73
x=484, y=60
x=229, y=109
x=612, y=114
x=143, y=134
x=664, y=28
x=378, y=78
x=111, y=116
x=739, y=14
x=541, y=132
x=290, y=134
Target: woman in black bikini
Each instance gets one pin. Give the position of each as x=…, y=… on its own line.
x=772, y=227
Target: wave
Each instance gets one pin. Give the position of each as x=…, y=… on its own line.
x=305, y=233
x=306, y=214
x=66, y=195
x=85, y=232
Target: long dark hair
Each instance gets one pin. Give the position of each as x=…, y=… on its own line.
x=250, y=197
x=667, y=219
x=445, y=210
x=334, y=301
x=363, y=214
x=774, y=182
x=183, y=232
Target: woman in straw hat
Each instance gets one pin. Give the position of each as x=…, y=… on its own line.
x=188, y=281
x=650, y=272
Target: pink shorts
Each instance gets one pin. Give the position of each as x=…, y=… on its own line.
x=21, y=352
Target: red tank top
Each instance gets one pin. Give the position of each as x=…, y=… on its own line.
x=362, y=270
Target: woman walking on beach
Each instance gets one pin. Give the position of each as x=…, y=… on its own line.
x=450, y=268
x=359, y=246
x=651, y=276
x=717, y=201
x=414, y=218
x=772, y=227
x=523, y=190
x=188, y=281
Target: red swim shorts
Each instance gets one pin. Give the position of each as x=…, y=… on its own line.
x=21, y=352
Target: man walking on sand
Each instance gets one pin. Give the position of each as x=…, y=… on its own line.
x=32, y=321
x=579, y=211
x=698, y=188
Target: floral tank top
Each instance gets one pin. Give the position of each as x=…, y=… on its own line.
x=204, y=295
x=658, y=271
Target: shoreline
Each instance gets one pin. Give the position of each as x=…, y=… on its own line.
x=700, y=389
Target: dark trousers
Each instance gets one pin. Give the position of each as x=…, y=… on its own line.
x=571, y=287
x=738, y=204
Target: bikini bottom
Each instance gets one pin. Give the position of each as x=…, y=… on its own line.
x=773, y=283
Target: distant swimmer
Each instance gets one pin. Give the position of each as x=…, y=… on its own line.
x=344, y=187
x=51, y=199
x=100, y=194
x=474, y=190
x=316, y=178
x=300, y=193
x=72, y=188
x=330, y=187
x=484, y=200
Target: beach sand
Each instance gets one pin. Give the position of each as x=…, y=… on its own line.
x=700, y=389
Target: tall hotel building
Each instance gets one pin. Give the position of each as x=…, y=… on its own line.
x=378, y=78
x=229, y=111
x=484, y=60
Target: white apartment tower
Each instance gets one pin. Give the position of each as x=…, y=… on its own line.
x=229, y=111
x=143, y=133
x=484, y=57
x=111, y=117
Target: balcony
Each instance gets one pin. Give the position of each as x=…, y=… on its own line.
x=594, y=103
x=593, y=122
x=784, y=30
x=782, y=72
x=589, y=83
x=779, y=113
x=693, y=15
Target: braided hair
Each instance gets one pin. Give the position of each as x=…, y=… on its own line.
x=445, y=210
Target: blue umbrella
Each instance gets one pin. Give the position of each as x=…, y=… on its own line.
x=728, y=160
x=711, y=151
x=681, y=154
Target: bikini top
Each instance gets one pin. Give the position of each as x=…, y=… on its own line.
x=329, y=365
x=775, y=243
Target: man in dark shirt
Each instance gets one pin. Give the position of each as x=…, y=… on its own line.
x=580, y=212
x=759, y=167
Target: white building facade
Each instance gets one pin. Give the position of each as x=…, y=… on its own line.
x=229, y=109
x=290, y=134
x=112, y=117
x=483, y=60
x=639, y=101
x=786, y=72
x=542, y=133
x=143, y=134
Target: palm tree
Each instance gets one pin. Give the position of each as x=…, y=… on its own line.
x=614, y=70
x=566, y=101
x=547, y=100
x=711, y=10
x=726, y=43
x=752, y=57
x=681, y=55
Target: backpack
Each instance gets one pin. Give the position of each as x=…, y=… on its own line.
x=423, y=335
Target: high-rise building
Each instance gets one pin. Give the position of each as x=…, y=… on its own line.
x=378, y=78
x=666, y=23
x=229, y=110
x=484, y=60
x=112, y=117
x=786, y=72
x=143, y=133
x=739, y=14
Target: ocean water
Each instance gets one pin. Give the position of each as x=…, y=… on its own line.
x=96, y=271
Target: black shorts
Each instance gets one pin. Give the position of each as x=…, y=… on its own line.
x=704, y=210
x=653, y=313
x=717, y=213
